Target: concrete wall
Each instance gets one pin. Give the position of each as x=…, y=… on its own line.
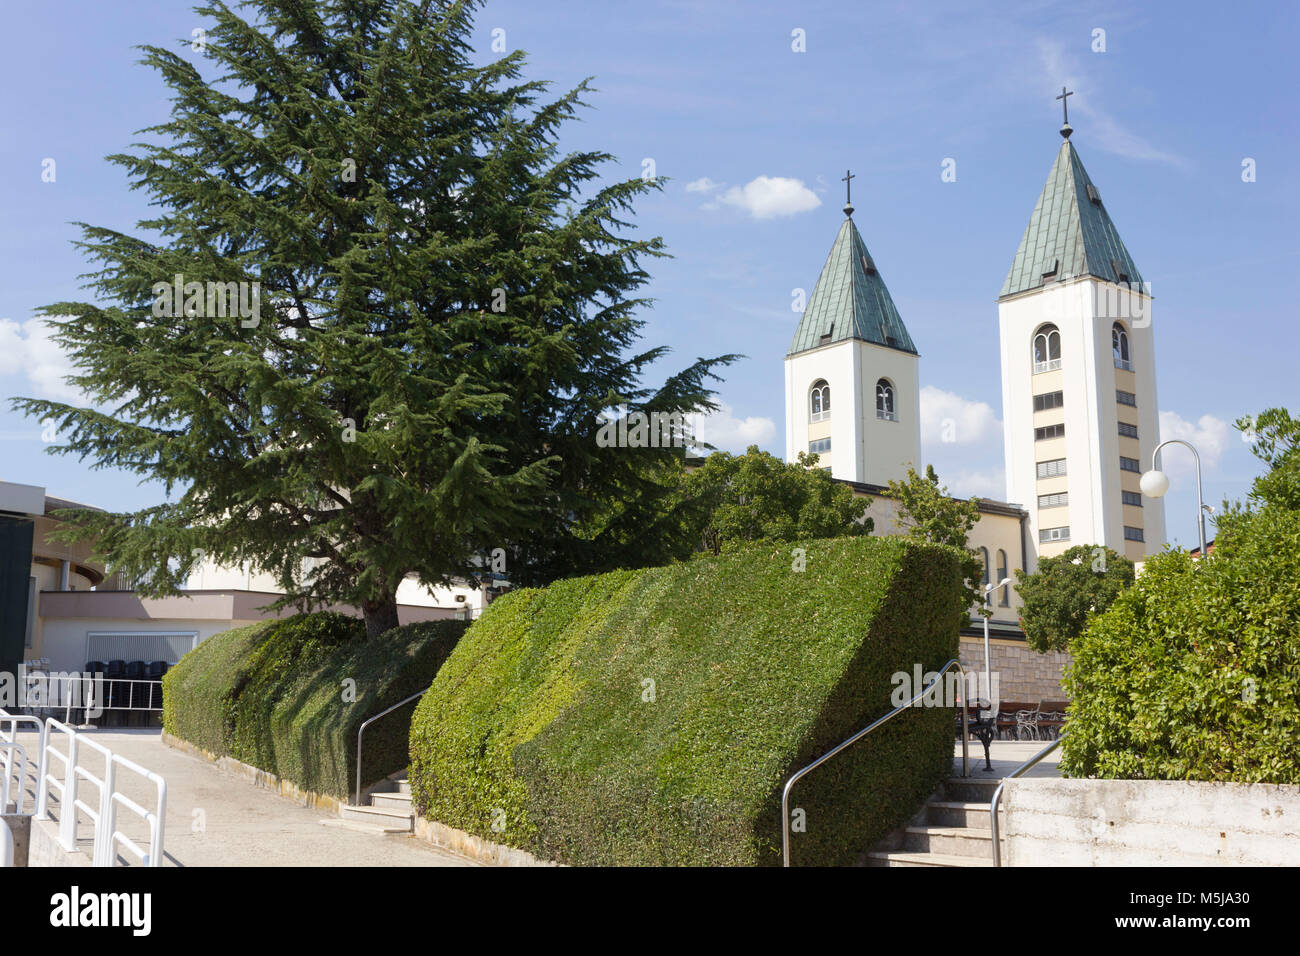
x=1054, y=822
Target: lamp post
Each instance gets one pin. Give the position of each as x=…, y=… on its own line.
x=1155, y=483
x=988, y=682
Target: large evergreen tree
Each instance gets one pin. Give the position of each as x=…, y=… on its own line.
x=447, y=304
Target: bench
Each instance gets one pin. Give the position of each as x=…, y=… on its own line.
x=1019, y=719
x=982, y=728
x=1051, y=717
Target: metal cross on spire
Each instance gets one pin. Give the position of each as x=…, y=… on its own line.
x=1065, y=107
x=848, y=192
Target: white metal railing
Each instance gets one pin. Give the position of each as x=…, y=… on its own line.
x=93, y=693
x=1049, y=366
x=1124, y=364
x=112, y=836
x=103, y=815
x=9, y=735
x=9, y=747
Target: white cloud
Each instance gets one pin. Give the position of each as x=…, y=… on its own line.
x=976, y=483
x=1060, y=67
x=768, y=197
x=949, y=419
x=27, y=349
x=1211, y=436
x=726, y=432
x=702, y=185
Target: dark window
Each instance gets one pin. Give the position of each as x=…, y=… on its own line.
x=1005, y=592
x=819, y=446
x=1129, y=464
x=1130, y=431
x=1133, y=534
x=885, y=401
x=1048, y=400
x=1049, y=431
x=1133, y=498
x=1119, y=345
x=1126, y=398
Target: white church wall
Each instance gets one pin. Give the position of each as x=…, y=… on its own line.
x=1083, y=312
x=888, y=448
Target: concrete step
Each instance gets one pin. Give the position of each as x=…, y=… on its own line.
x=948, y=841
x=959, y=813
x=398, y=801
x=382, y=816
x=376, y=829
x=909, y=858
x=970, y=789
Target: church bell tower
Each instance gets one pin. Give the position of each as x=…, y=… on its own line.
x=852, y=394
x=1078, y=374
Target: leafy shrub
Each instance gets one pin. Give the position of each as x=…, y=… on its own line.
x=273, y=695
x=1066, y=591
x=1194, y=672
x=543, y=729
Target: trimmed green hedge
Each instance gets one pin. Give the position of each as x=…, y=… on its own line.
x=543, y=730
x=274, y=695
x=1194, y=672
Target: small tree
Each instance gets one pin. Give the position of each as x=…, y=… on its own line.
x=1067, y=591
x=927, y=512
x=756, y=496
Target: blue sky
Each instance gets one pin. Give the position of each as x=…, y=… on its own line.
x=754, y=138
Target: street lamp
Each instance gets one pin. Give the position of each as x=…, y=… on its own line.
x=988, y=683
x=1155, y=483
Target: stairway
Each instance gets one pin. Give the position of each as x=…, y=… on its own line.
x=388, y=811
x=952, y=829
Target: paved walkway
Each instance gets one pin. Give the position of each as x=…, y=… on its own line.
x=1006, y=756
x=217, y=819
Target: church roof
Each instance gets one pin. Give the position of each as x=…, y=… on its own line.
x=1070, y=233
x=850, y=300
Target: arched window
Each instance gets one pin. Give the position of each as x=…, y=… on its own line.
x=1047, y=349
x=1005, y=592
x=987, y=580
x=885, y=407
x=1119, y=345
x=819, y=401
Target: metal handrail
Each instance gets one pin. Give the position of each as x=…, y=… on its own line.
x=104, y=818
x=362, y=729
x=9, y=746
x=112, y=836
x=997, y=794
x=965, y=750
x=11, y=736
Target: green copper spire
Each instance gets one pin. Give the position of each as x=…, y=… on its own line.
x=1070, y=233
x=850, y=300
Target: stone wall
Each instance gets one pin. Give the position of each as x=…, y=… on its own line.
x=1055, y=822
x=1020, y=672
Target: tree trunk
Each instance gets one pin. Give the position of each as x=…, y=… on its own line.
x=380, y=615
